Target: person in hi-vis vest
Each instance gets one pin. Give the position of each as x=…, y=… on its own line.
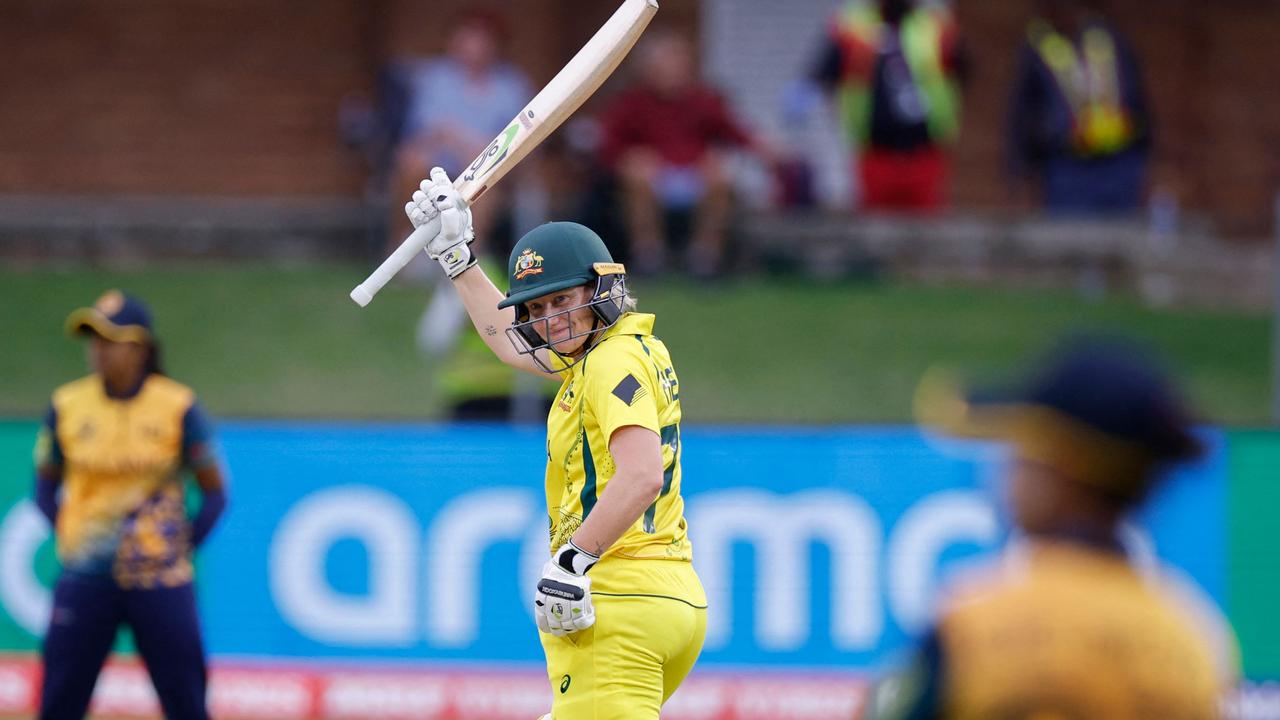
x=1078, y=122
x=894, y=69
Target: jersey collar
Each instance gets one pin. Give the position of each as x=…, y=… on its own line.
x=632, y=323
x=127, y=394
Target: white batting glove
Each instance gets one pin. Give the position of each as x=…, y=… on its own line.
x=446, y=217
x=422, y=212
x=562, y=601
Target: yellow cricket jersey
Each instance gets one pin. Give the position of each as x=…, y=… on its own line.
x=123, y=510
x=626, y=379
x=1064, y=630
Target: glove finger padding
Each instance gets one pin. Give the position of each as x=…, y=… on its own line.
x=420, y=209
x=438, y=179
x=585, y=620
x=547, y=623
x=540, y=616
x=441, y=191
x=419, y=216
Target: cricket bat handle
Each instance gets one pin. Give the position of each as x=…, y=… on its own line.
x=412, y=245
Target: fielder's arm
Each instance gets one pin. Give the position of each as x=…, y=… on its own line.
x=50, y=463
x=481, y=297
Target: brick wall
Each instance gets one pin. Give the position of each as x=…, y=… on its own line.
x=176, y=97
x=1210, y=69
x=241, y=97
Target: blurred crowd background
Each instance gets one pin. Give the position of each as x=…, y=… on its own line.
x=742, y=139
x=198, y=104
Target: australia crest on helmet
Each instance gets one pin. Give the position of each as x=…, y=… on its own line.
x=528, y=263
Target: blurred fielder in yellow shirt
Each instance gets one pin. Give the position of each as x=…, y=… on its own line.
x=1064, y=627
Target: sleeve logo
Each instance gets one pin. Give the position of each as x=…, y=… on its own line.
x=629, y=390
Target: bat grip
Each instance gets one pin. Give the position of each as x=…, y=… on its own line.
x=412, y=245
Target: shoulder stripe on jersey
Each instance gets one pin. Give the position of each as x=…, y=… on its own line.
x=670, y=436
x=587, y=496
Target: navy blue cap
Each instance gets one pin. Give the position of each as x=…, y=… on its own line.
x=1118, y=389
x=1101, y=410
x=115, y=316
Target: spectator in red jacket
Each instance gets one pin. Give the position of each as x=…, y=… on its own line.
x=663, y=138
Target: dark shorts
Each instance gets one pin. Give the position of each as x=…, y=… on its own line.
x=87, y=612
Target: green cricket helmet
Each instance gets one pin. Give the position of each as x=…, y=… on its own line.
x=557, y=256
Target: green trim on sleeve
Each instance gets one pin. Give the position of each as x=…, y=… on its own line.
x=587, y=496
x=670, y=436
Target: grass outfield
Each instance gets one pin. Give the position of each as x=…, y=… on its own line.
x=271, y=343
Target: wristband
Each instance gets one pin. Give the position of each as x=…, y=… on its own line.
x=574, y=560
x=457, y=259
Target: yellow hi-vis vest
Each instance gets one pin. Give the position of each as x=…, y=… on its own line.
x=1090, y=82
x=471, y=371
x=921, y=37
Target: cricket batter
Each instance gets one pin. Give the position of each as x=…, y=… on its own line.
x=621, y=612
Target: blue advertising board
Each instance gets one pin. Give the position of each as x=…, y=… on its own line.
x=821, y=547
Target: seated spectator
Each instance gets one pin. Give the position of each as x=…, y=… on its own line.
x=456, y=105
x=663, y=137
x=1078, y=120
x=895, y=67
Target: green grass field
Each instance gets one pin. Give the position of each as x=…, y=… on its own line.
x=270, y=343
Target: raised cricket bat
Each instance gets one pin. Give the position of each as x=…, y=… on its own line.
x=545, y=112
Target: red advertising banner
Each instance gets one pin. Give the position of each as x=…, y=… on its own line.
x=253, y=691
